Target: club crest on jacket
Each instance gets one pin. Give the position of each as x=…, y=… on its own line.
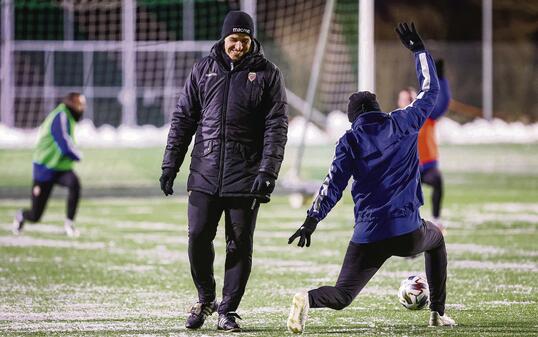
x=251, y=76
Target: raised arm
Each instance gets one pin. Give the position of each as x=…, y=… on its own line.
x=412, y=117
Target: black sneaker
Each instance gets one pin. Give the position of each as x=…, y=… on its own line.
x=199, y=312
x=227, y=322
x=18, y=223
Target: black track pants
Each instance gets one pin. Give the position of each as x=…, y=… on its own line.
x=362, y=261
x=433, y=178
x=240, y=215
x=41, y=193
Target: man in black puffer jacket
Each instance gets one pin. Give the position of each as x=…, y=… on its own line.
x=234, y=101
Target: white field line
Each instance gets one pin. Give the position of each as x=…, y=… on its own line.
x=514, y=289
x=496, y=266
x=472, y=248
x=148, y=225
x=25, y=241
x=502, y=303
x=511, y=208
x=459, y=248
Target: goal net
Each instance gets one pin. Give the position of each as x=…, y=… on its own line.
x=130, y=58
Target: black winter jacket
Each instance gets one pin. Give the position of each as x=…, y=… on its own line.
x=239, y=115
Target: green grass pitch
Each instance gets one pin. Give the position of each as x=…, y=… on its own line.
x=128, y=273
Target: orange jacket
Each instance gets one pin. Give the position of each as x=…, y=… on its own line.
x=427, y=145
x=428, y=153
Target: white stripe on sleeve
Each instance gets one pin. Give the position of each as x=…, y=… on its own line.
x=425, y=71
x=68, y=140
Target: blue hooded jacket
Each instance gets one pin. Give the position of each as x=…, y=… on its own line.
x=380, y=152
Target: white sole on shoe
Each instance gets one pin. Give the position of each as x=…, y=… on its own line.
x=298, y=313
x=437, y=320
x=230, y=330
x=71, y=232
x=16, y=229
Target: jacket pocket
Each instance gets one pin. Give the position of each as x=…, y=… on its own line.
x=256, y=93
x=247, y=153
x=202, y=149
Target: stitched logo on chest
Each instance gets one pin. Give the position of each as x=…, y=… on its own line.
x=251, y=76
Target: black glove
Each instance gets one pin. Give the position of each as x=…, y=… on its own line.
x=167, y=180
x=263, y=184
x=410, y=38
x=440, y=67
x=305, y=231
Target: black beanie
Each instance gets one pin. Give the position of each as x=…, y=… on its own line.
x=360, y=102
x=237, y=22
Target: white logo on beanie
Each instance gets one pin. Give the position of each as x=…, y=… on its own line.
x=241, y=30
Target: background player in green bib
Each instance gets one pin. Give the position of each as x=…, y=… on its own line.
x=53, y=160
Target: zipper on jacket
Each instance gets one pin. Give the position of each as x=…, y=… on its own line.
x=223, y=127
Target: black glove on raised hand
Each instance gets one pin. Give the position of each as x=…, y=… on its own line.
x=409, y=36
x=304, y=232
x=167, y=180
x=263, y=184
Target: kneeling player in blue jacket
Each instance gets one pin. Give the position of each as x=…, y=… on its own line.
x=380, y=153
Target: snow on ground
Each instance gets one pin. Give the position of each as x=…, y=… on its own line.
x=25, y=241
x=498, y=303
x=479, y=131
x=496, y=266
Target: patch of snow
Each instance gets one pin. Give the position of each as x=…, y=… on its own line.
x=314, y=135
x=497, y=266
x=479, y=131
x=498, y=303
x=25, y=241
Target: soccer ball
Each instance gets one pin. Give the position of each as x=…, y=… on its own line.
x=414, y=293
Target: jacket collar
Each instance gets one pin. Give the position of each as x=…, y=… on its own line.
x=370, y=117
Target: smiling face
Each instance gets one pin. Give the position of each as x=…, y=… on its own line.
x=237, y=46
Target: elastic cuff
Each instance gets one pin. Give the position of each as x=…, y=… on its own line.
x=310, y=301
x=311, y=221
x=274, y=176
x=170, y=169
x=206, y=299
x=439, y=308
